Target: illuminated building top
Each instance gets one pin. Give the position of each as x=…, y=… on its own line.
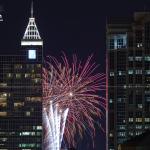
x=31, y=35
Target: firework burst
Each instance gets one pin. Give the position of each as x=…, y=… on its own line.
x=71, y=99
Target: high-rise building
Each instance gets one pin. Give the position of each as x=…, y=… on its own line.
x=140, y=142
x=128, y=75
x=21, y=93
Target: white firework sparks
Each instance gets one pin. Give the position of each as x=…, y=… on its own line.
x=54, y=121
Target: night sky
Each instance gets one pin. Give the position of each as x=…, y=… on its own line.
x=69, y=26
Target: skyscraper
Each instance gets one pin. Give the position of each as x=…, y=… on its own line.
x=128, y=74
x=21, y=93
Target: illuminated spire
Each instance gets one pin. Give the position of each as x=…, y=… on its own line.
x=31, y=32
x=32, y=9
x=31, y=35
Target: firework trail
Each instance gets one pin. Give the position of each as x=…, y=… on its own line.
x=70, y=100
x=53, y=118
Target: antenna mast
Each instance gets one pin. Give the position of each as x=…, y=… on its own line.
x=32, y=9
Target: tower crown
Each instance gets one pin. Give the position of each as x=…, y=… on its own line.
x=31, y=32
x=31, y=35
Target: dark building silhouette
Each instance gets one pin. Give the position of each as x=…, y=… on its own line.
x=128, y=75
x=21, y=93
x=141, y=142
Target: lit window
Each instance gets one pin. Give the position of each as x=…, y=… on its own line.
x=147, y=126
x=138, y=58
x=32, y=54
x=3, y=96
x=28, y=113
x=38, y=65
x=138, y=126
x=117, y=41
x=148, y=99
x=147, y=91
x=3, y=84
x=121, y=73
x=32, y=70
x=111, y=135
x=110, y=101
x=130, y=119
x=39, y=127
x=3, y=104
x=9, y=75
x=147, y=119
x=1, y=17
x=37, y=80
x=27, y=145
x=140, y=106
x=130, y=58
x=147, y=58
x=131, y=133
x=27, y=75
x=111, y=74
x=148, y=72
x=33, y=99
x=130, y=71
x=139, y=119
x=32, y=75
x=138, y=71
x=18, y=104
x=121, y=100
x=3, y=133
x=139, y=45
x=125, y=86
x=3, y=139
x=121, y=134
x=3, y=114
x=38, y=133
x=18, y=75
x=18, y=66
x=138, y=132
x=38, y=75
x=38, y=145
x=122, y=127
x=27, y=133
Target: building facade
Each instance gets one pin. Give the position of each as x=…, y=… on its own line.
x=21, y=93
x=128, y=75
x=140, y=142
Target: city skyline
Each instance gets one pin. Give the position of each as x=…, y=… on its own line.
x=71, y=27
x=68, y=27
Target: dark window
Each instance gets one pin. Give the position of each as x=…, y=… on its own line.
x=130, y=98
